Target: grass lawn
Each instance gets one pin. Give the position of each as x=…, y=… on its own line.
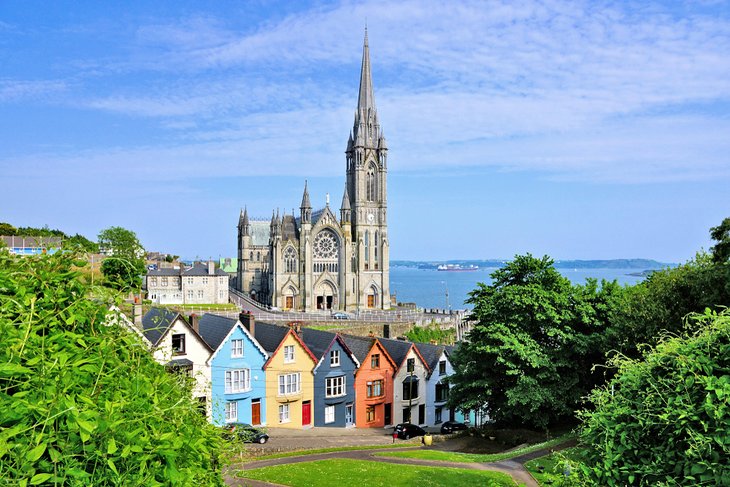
x=448, y=456
x=546, y=469
x=299, y=453
x=341, y=472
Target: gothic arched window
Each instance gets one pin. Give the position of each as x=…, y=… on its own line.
x=375, y=249
x=371, y=188
x=290, y=260
x=367, y=249
x=326, y=251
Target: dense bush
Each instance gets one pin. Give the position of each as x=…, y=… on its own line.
x=665, y=419
x=84, y=403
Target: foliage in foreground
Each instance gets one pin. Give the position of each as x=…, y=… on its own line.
x=665, y=420
x=83, y=403
x=124, y=268
x=339, y=472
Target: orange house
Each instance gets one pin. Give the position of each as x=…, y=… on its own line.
x=373, y=383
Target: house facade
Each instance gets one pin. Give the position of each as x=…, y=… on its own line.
x=334, y=378
x=238, y=381
x=178, y=345
x=437, y=389
x=373, y=382
x=201, y=284
x=409, y=382
x=289, y=377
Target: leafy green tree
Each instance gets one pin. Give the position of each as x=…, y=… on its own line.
x=721, y=235
x=431, y=333
x=125, y=265
x=664, y=419
x=81, y=242
x=82, y=401
x=531, y=329
x=7, y=229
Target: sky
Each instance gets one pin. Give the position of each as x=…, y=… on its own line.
x=580, y=130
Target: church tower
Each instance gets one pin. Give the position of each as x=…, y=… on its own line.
x=366, y=164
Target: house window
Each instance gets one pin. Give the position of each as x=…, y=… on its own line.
x=289, y=384
x=442, y=367
x=153, y=281
x=375, y=361
x=238, y=380
x=205, y=281
x=236, y=348
x=375, y=388
x=223, y=280
x=190, y=294
x=222, y=294
x=288, y=354
x=411, y=365
x=438, y=415
x=370, y=414
x=335, y=386
x=334, y=358
x=410, y=389
x=284, y=413
x=200, y=293
x=442, y=392
x=231, y=411
x=164, y=281
x=329, y=414
x=190, y=280
x=178, y=343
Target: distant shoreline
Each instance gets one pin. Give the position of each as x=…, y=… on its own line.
x=641, y=265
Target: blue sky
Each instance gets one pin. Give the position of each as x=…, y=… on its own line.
x=579, y=130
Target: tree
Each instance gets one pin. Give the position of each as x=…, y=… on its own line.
x=6, y=229
x=125, y=265
x=721, y=235
x=664, y=420
x=82, y=401
x=531, y=331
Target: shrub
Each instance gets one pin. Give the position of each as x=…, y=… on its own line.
x=665, y=420
x=84, y=403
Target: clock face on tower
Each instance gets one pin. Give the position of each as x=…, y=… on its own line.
x=371, y=217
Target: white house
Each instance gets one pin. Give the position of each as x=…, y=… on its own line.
x=201, y=284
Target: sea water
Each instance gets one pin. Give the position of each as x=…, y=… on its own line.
x=429, y=288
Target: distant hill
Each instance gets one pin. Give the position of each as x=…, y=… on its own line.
x=640, y=264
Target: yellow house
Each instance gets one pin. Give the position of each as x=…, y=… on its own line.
x=289, y=377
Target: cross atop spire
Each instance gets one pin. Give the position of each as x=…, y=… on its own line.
x=366, y=99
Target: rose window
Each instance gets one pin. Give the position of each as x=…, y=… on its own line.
x=326, y=252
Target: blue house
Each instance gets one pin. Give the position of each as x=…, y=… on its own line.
x=238, y=392
x=334, y=378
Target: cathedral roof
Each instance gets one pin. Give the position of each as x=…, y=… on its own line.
x=260, y=232
x=345, y=200
x=289, y=228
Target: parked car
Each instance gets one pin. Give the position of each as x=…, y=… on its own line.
x=245, y=432
x=451, y=426
x=405, y=431
x=340, y=316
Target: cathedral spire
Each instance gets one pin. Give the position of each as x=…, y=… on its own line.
x=305, y=197
x=366, y=99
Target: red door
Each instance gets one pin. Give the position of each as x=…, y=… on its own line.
x=255, y=413
x=306, y=413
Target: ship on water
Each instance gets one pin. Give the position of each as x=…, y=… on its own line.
x=457, y=268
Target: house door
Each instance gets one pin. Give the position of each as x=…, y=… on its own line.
x=371, y=300
x=348, y=415
x=306, y=413
x=256, y=411
x=388, y=419
x=406, y=415
x=422, y=414
x=289, y=302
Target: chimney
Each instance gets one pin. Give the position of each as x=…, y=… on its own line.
x=211, y=268
x=195, y=322
x=296, y=326
x=247, y=320
x=137, y=315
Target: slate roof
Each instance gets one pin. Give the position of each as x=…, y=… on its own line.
x=164, y=272
x=202, y=270
x=213, y=329
x=397, y=349
x=260, y=232
x=431, y=354
x=269, y=336
x=179, y=362
x=156, y=322
x=289, y=228
x=360, y=346
x=317, y=341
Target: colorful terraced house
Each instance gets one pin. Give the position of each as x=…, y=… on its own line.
x=373, y=382
x=334, y=378
x=238, y=381
x=289, y=377
x=409, y=382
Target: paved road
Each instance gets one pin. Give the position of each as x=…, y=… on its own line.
x=513, y=467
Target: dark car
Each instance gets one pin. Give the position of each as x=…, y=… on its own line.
x=405, y=431
x=451, y=426
x=245, y=432
x=340, y=316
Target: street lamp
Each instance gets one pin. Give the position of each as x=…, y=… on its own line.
x=448, y=306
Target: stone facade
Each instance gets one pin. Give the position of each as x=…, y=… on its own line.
x=317, y=260
x=201, y=284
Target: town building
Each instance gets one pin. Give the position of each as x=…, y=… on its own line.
x=409, y=382
x=319, y=260
x=22, y=245
x=200, y=284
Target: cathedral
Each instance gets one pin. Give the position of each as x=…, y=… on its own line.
x=317, y=261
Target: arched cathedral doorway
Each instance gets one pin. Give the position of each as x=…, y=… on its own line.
x=326, y=296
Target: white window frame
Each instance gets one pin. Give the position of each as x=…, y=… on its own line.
x=200, y=294
x=231, y=411
x=284, y=416
x=288, y=354
x=237, y=348
x=290, y=384
x=334, y=358
x=237, y=380
x=329, y=414
x=335, y=386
